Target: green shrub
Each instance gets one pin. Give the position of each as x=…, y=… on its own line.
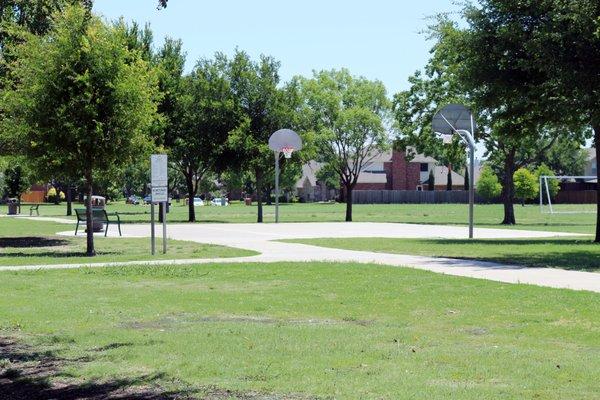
x=488, y=186
x=526, y=185
x=553, y=185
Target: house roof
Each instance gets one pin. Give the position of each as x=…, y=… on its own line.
x=309, y=172
x=441, y=176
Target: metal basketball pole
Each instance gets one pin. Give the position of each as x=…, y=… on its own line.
x=471, y=142
x=276, y=186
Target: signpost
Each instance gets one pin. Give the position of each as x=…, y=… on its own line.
x=284, y=141
x=160, y=194
x=458, y=119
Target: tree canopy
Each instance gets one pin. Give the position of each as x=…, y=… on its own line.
x=79, y=101
x=347, y=116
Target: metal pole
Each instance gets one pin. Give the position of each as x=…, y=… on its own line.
x=164, y=218
x=541, y=196
x=152, y=233
x=471, y=191
x=472, y=180
x=276, y=187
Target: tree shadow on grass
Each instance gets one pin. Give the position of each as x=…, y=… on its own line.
x=31, y=242
x=576, y=255
x=26, y=374
x=56, y=254
x=29, y=375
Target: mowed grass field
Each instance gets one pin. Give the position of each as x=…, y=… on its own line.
x=296, y=331
x=528, y=217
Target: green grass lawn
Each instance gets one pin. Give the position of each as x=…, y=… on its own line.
x=302, y=331
x=528, y=217
x=26, y=242
x=566, y=253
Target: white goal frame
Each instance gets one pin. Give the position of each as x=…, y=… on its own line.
x=544, y=185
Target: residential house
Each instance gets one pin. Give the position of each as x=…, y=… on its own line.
x=391, y=170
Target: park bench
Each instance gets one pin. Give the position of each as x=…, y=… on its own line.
x=98, y=215
x=36, y=208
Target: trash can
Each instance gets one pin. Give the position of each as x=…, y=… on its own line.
x=248, y=201
x=13, y=206
x=98, y=203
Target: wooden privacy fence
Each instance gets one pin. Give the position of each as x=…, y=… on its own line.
x=411, y=196
x=572, y=197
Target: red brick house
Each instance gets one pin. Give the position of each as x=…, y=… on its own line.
x=391, y=170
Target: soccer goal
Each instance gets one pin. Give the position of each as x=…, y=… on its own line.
x=549, y=187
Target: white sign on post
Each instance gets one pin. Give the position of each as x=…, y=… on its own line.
x=159, y=170
x=160, y=194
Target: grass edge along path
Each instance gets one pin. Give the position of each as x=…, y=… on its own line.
x=578, y=254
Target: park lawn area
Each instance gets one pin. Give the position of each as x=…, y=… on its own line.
x=566, y=253
x=296, y=331
x=27, y=242
x=489, y=216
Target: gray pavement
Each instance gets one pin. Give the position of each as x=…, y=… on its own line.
x=263, y=239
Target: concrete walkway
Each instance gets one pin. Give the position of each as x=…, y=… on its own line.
x=262, y=238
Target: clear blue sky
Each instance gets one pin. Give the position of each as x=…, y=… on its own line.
x=379, y=39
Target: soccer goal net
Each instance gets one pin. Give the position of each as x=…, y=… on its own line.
x=578, y=200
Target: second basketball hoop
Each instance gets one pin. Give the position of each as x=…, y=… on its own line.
x=284, y=141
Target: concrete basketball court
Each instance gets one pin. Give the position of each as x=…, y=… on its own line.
x=263, y=238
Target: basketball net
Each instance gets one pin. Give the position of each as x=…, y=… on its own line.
x=287, y=152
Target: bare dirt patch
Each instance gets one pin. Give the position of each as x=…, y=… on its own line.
x=177, y=320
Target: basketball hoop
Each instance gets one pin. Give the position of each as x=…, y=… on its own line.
x=287, y=152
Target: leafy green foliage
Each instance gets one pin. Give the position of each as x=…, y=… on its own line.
x=328, y=176
x=263, y=108
x=526, y=184
x=16, y=181
x=82, y=102
x=347, y=117
x=488, y=185
x=566, y=157
x=430, y=90
x=553, y=185
x=199, y=115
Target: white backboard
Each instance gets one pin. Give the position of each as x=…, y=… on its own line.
x=159, y=171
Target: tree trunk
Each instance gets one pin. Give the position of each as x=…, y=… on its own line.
x=449, y=182
x=69, y=201
x=89, y=223
x=508, y=189
x=348, y=191
x=189, y=181
x=268, y=192
x=160, y=212
x=596, y=127
x=467, y=178
x=259, y=195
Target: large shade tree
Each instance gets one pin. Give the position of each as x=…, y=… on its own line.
x=492, y=64
x=566, y=46
x=16, y=16
x=204, y=115
x=348, y=117
x=80, y=102
x=415, y=108
x=263, y=108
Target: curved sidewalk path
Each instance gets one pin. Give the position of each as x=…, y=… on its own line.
x=263, y=239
